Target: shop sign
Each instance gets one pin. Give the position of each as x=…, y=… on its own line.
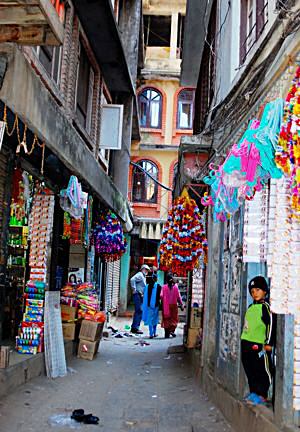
x=2, y=130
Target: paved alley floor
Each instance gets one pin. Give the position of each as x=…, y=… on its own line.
x=130, y=387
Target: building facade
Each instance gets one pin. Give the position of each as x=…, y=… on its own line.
x=246, y=56
x=166, y=113
x=68, y=107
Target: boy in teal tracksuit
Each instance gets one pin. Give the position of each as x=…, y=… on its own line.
x=257, y=340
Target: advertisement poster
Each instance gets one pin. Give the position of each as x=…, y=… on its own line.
x=76, y=275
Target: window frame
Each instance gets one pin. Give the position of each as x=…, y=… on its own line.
x=191, y=103
x=139, y=175
x=53, y=63
x=149, y=103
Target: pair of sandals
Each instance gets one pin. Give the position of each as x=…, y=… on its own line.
x=79, y=416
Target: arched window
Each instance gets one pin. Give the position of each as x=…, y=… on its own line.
x=185, y=109
x=144, y=189
x=150, y=102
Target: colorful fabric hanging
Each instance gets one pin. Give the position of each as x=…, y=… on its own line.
x=183, y=240
x=248, y=166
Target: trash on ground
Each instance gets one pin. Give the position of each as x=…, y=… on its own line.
x=167, y=358
x=142, y=342
x=109, y=362
x=113, y=329
x=71, y=371
x=155, y=367
x=59, y=420
x=80, y=417
x=127, y=327
x=154, y=396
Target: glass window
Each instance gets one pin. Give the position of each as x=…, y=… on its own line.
x=150, y=108
x=50, y=58
x=85, y=88
x=144, y=189
x=185, y=109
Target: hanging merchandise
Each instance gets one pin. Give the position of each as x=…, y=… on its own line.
x=67, y=226
x=76, y=231
x=109, y=240
x=288, y=148
x=248, y=166
x=183, y=240
x=72, y=199
x=284, y=256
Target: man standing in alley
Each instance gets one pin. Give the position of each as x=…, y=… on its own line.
x=138, y=284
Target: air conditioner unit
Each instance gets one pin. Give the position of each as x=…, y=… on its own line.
x=111, y=127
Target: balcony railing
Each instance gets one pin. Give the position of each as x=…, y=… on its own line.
x=32, y=22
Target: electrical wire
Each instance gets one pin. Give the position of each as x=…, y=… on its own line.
x=152, y=178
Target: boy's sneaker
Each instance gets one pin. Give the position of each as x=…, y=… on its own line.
x=249, y=397
x=255, y=399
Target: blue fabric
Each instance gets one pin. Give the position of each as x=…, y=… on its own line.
x=152, y=330
x=138, y=312
x=151, y=313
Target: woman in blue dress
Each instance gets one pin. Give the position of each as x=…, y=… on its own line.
x=151, y=305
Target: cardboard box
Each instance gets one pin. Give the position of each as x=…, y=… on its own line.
x=87, y=350
x=4, y=357
x=196, y=316
x=192, y=339
x=69, y=331
x=91, y=331
x=68, y=313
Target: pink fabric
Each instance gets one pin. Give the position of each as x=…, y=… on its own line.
x=169, y=296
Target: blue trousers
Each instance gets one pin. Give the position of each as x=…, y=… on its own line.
x=152, y=330
x=138, y=311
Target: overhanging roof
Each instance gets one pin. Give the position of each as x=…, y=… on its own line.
x=98, y=21
x=196, y=23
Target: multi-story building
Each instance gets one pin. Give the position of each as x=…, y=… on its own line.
x=245, y=55
x=166, y=113
x=68, y=104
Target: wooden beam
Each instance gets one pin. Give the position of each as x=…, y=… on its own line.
x=28, y=35
x=22, y=15
x=54, y=22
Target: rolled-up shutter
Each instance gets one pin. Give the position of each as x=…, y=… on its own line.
x=3, y=203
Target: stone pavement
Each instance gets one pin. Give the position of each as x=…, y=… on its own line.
x=130, y=387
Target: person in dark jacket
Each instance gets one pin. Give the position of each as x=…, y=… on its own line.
x=257, y=340
x=151, y=305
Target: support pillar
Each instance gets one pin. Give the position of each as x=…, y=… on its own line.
x=125, y=266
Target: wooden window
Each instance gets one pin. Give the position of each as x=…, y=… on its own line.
x=85, y=90
x=185, y=109
x=180, y=35
x=144, y=189
x=254, y=17
x=150, y=103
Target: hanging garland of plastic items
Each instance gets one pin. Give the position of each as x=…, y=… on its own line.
x=71, y=199
x=109, y=240
x=183, y=240
x=67, y=226
x=288, y=148
x=248, y=166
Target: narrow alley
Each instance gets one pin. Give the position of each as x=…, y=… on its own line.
x=129, y=386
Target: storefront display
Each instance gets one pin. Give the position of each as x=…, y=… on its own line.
x=109, y=240
x=183, y=240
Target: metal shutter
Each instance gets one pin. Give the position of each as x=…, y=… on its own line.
x=116, y=285
x=112, y=286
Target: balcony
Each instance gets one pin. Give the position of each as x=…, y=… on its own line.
x=32, y=22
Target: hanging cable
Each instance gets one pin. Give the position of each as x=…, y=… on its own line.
x=152, y=178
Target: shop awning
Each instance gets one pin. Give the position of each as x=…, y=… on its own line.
x=25, y=95
x=196, y=23
x=99, y=24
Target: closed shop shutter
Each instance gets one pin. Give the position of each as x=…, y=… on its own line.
x=112, y=286
x=109, y=286
x=116, y=285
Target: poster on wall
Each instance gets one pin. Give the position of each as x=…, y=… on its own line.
x=76, y=275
